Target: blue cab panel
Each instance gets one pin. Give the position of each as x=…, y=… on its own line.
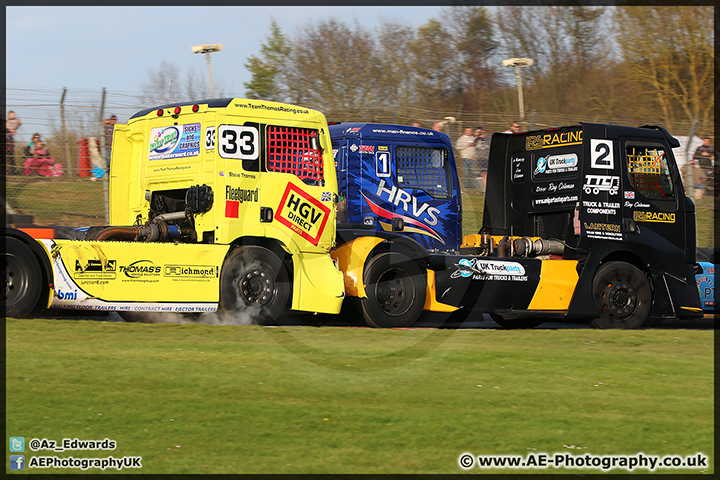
x=396, y=171
x=706, y=287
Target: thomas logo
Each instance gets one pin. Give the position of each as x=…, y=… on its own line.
x=303, y=214
x=141, y=268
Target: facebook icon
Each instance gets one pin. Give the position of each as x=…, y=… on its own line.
x=17, y=462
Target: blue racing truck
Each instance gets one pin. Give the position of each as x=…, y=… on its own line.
x=402, y=176
x=585, y=223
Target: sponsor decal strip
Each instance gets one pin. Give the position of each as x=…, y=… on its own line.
x=537, y=142
x=659, y=217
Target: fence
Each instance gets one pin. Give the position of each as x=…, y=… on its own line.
x=69, y=118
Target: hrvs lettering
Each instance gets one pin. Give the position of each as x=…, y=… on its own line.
x=398, y=195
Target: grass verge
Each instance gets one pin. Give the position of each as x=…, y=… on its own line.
x=192, y=398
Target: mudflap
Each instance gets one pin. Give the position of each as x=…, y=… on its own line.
x=318, y=284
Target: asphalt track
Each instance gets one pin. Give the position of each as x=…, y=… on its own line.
x=304, y=319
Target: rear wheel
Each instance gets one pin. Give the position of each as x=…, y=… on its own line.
x=21, y=278
x=622, y=296
x=254, y=282
x=395, y=288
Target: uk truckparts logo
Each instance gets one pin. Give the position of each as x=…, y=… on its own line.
x=489, y=270
x=303, y=214
x=557, y=164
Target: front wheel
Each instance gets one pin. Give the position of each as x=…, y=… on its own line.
x=254, y=283
x=395, y=287
x=622, y=296
x=21, y=278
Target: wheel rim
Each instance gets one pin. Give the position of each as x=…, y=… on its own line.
x=392, y=292
x=257, y=287
x=620, y=298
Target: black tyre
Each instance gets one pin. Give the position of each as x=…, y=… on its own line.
x=21, y=277
x=254, y=277
x=395, y=287
x=622, y=296
x=520, y=323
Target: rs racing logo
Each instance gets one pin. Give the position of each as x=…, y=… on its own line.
x=303, y=214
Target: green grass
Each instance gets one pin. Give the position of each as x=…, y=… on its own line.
x=57, y=201
x=195, y=398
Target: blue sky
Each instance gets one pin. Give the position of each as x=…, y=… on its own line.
x=95, y=47
x=116, y=47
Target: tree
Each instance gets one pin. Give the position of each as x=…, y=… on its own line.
x=164, y=86
x=669, y=51
x=267, y=71
x=472, y=38
x=334, y=68
x=395, y=84
x=159, y=87
x=566, y=44
x=435, y=66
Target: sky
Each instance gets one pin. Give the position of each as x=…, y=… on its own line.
x=91, y=47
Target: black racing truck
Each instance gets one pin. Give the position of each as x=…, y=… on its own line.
x=585, y=223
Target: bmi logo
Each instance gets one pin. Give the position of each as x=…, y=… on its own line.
x=303, y=214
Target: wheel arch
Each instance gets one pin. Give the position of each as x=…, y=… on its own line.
x=407, y=247
x=582, y=306
x=272, y=244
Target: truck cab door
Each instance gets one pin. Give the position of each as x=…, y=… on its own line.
x=412, y=182
x=653, y=197
x=427, y=194
x=340, y=152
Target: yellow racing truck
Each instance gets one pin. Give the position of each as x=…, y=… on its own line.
x=224, y=204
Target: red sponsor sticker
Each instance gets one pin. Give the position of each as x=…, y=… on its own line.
x=232, y=208
x=302, y=213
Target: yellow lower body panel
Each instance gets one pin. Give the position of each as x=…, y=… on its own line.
x=558, y=279
x=167, y=277
x=135, y=276
x=431, y=303
x=318, y=285
x=351, y=259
